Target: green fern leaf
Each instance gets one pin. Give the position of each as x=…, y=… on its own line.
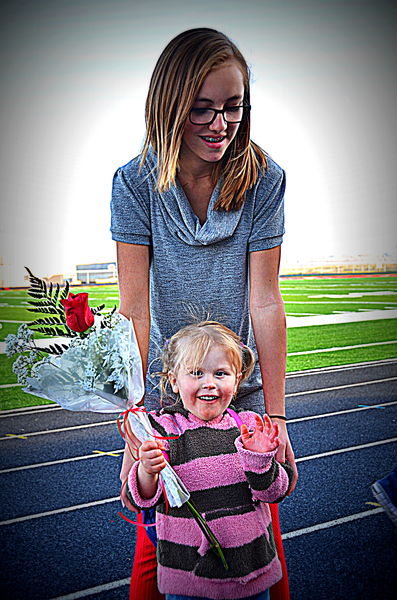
x=65, y=291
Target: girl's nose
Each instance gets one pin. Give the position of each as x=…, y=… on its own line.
x=219, y=124
x=208, y=383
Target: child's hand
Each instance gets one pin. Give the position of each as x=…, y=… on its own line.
x=151, y=457
x=263, y=439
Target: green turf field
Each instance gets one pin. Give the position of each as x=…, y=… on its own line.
x=309, y=346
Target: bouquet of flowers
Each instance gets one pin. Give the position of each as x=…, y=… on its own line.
x=94, y=364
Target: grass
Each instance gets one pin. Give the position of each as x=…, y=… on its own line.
x=302, y=296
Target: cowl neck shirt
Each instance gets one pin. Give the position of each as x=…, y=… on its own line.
x=199, y=269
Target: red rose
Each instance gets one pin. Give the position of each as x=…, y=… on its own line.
x=79, y=316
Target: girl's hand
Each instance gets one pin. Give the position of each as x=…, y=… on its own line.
x=151, y=457
x=264, y=437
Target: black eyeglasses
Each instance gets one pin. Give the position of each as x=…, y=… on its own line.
x=206, y=116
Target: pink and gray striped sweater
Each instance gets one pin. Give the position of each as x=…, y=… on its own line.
x=231, y=487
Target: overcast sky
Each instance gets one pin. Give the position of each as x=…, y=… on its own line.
x=74, y=82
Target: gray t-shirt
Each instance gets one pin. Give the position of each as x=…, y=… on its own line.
x=197, y=268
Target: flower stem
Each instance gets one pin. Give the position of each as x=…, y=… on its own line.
x=213, y=542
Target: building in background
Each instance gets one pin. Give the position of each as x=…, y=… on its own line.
x=96, y=273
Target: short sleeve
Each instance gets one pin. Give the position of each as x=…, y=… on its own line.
x=268, y=221
x=130, y=214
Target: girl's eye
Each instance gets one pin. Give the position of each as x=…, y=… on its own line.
x=220, y=373
x=200, y=111
x=196, y=372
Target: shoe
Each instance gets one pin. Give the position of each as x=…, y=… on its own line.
x=381, y=495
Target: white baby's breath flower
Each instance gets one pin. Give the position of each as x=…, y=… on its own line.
x=21, y=368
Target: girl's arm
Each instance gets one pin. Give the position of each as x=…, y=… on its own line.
x=133, y=274
x=269, y=325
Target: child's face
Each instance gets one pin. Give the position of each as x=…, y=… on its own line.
x=209, y=390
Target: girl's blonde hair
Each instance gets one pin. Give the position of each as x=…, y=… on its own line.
x=188, y=348
x=177, y=77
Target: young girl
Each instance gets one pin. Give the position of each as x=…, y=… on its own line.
x=198, y=219
x=231, y=474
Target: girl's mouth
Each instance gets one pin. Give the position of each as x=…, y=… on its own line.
x=208, y=398
x=213, y=141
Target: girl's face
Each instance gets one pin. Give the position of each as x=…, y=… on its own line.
x=207, y=391
x=202, y=144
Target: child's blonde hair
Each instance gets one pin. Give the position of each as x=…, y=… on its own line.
x=190, y=345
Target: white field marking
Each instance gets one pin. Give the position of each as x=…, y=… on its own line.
x=60, y=461
x=98, y=454
x=354, y=294
x=33, y=408
x=6, y=305
x=64, y=429
x=8, y=321
x=316, y=391
x=340, y=317
x=349, y=449
x=10, y=385
x=341, y=412
x=302, y=314
x=112, y=585
x=333, y=523
x=336, y=349
x=58, y=511
x=338, y=387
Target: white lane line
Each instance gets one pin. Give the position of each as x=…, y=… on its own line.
x=58, y=511
x=350, y=449
x=333, y=523
x=340, y=348
x=62, y=429
x=341, y=412
x=112, y=585
x=88, y=456
x=60, y=461
x=285, y=536
x=317, y=391
x=336, y=368
x=90, y=504
x=339, y=387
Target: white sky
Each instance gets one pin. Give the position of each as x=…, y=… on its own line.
x=75, y=77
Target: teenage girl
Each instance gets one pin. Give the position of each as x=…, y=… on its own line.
x=198, y=220
x=231, y=477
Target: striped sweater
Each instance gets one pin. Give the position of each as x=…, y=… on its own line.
x=231, y=487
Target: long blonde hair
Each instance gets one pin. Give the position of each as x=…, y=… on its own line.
x=189, y=346
x=177, y=77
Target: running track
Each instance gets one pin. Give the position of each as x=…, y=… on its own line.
x=63, y=539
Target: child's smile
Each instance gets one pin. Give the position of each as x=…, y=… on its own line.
x=207, y=391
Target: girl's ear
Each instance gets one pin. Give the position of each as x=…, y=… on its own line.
x=238, y=379
x=172, y=380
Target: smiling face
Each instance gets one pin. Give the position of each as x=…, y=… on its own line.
x=205, y=144
x=207, y=391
